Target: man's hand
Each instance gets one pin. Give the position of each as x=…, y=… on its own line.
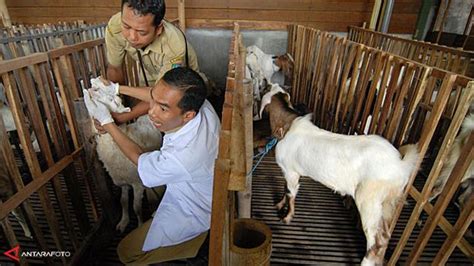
x=97, y=109
x=105, y=86
x=100, y=129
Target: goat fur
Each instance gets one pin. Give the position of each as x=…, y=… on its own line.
x=453, y=156
x=365, y=167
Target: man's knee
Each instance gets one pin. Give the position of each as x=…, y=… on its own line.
x=128, y=250
x=122, y=251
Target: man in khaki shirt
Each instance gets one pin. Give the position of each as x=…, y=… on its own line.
x=139, y=29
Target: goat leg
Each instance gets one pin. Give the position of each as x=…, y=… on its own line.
x=21, y=219
x=137, y=201
x=291, y=209
x=282, y=202
x=125, y=217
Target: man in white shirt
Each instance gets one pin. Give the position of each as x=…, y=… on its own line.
x=185, y=164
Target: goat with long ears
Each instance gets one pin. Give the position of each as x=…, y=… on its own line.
x=365, y=167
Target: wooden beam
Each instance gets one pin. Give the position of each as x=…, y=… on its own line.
x=22, y=62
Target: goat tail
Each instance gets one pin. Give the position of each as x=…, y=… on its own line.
x=410, y=156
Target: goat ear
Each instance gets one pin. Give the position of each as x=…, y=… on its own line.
x=278, y=133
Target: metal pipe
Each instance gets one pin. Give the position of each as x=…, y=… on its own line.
x=387, y=14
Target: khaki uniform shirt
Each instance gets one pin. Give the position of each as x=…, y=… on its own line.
x=164, y=53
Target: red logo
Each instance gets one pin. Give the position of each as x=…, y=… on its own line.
x=13, y=253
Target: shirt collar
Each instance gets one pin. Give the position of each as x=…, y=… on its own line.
x=184, y=135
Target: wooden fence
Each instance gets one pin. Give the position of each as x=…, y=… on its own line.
x=352, y=88
x=443, y=57
x=31, y=84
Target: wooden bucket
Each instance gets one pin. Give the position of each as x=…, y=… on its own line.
x=251, y=243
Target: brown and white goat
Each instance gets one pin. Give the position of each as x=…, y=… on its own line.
x=260, y=68
x=368, y=168
x=453, y=156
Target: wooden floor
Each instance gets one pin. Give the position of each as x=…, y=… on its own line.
x=323, y=231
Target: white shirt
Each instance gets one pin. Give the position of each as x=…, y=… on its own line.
x=185, y=164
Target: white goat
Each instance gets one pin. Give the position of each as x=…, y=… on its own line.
x=368, y=168
x=122, y=171
x=453, y=156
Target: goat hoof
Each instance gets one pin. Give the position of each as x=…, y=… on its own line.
x=279, y=207
x=286, y=220
x=121, y=226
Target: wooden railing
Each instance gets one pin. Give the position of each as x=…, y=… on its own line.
x=235, y=154
x=353, y=88
x=434, y=55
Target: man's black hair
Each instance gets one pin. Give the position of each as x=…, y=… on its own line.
x=191, y=84
x=144, y=7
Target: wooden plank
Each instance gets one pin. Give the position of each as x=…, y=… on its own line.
x=348, y=62
x=219, y=201
x=69, y=49
x=381, y=92
x=361, y=90
x=66, y=101
x=388, y=98
x=418, y=93
x=382, y=58
x=397, y=109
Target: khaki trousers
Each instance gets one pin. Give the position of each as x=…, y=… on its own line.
x=130, y=248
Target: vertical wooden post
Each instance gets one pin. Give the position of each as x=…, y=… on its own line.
x=182, y=15
x=4, y=14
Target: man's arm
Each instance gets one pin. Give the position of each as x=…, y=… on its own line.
x=138, y=110
x=126, y=145
x=115, y=74
x=141, y=93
